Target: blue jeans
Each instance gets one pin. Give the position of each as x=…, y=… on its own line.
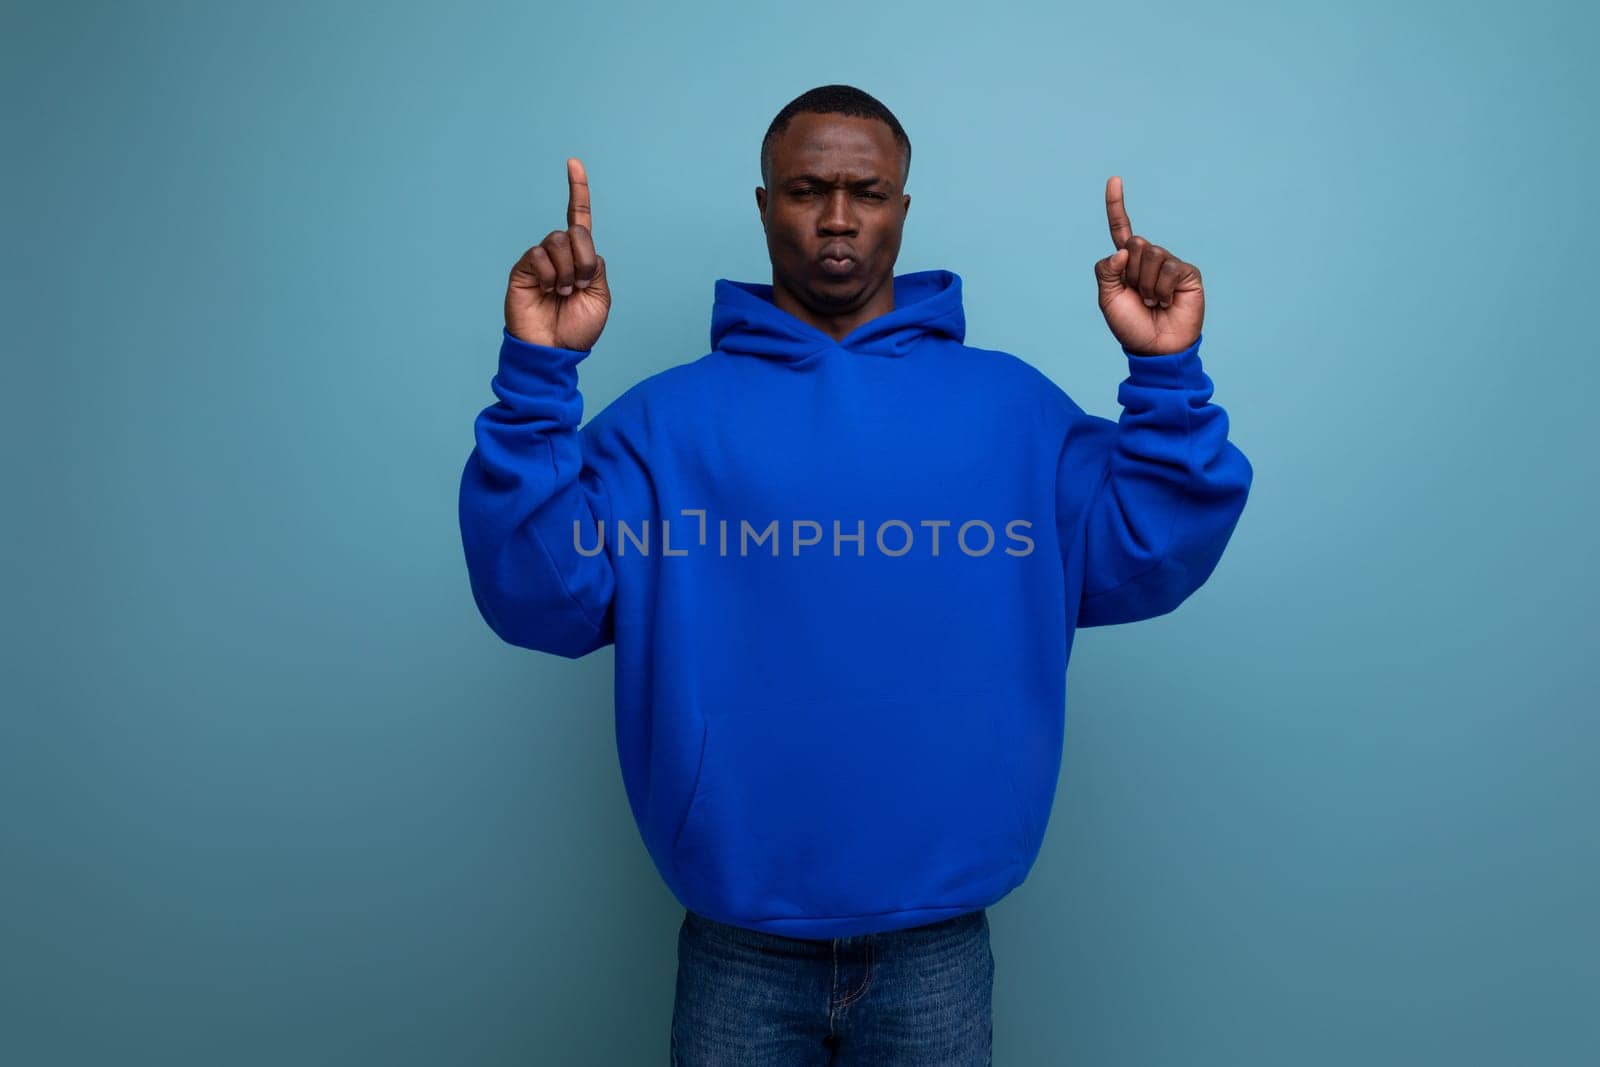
x=916, y=996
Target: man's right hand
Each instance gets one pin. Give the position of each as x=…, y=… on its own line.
x=558, y=295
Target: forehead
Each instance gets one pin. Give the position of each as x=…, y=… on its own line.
x=829, y=144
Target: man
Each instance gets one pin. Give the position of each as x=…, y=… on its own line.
x=841, y=557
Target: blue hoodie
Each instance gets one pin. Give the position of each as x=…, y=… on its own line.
x=842, y=580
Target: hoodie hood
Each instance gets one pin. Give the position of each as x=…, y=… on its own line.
x=927, y=303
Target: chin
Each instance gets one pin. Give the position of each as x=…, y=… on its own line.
x=845, y=293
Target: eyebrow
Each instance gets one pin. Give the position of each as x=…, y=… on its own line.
x=817, y=179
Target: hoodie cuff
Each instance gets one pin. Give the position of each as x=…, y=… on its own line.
x=1170, y=369
x=532, y=368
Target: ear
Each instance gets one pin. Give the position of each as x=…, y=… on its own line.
x=761, y=204
x=905, y=208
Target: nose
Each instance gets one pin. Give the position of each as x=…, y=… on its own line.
x=838, y=217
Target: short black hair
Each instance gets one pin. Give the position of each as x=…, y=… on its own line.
x=835, y=100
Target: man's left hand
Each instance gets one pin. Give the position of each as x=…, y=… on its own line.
x=1152, y=300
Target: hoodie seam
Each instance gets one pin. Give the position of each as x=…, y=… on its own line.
x=967, y=907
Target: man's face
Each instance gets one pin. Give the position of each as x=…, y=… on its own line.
x=836, y=191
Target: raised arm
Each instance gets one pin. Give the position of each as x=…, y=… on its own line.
x=1159, y=492
x=1155, y=496
x=527, y=481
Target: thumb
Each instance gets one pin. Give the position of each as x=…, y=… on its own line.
x=598, y=280
x=1108, y=272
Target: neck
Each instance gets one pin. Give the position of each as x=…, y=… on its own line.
x=836, y=325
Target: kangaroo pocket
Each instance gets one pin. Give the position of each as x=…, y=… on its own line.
x=850, y=807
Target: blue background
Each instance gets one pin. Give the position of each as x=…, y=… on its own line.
x=270, y=790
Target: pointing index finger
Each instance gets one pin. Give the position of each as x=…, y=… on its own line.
x=578, y=196
x=1116, y=214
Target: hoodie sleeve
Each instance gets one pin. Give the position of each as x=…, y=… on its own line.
x=525, y=484
x=1156, y=495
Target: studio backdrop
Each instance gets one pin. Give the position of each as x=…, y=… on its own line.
x=271, y=792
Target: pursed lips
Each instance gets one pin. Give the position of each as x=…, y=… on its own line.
x=836, y=252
